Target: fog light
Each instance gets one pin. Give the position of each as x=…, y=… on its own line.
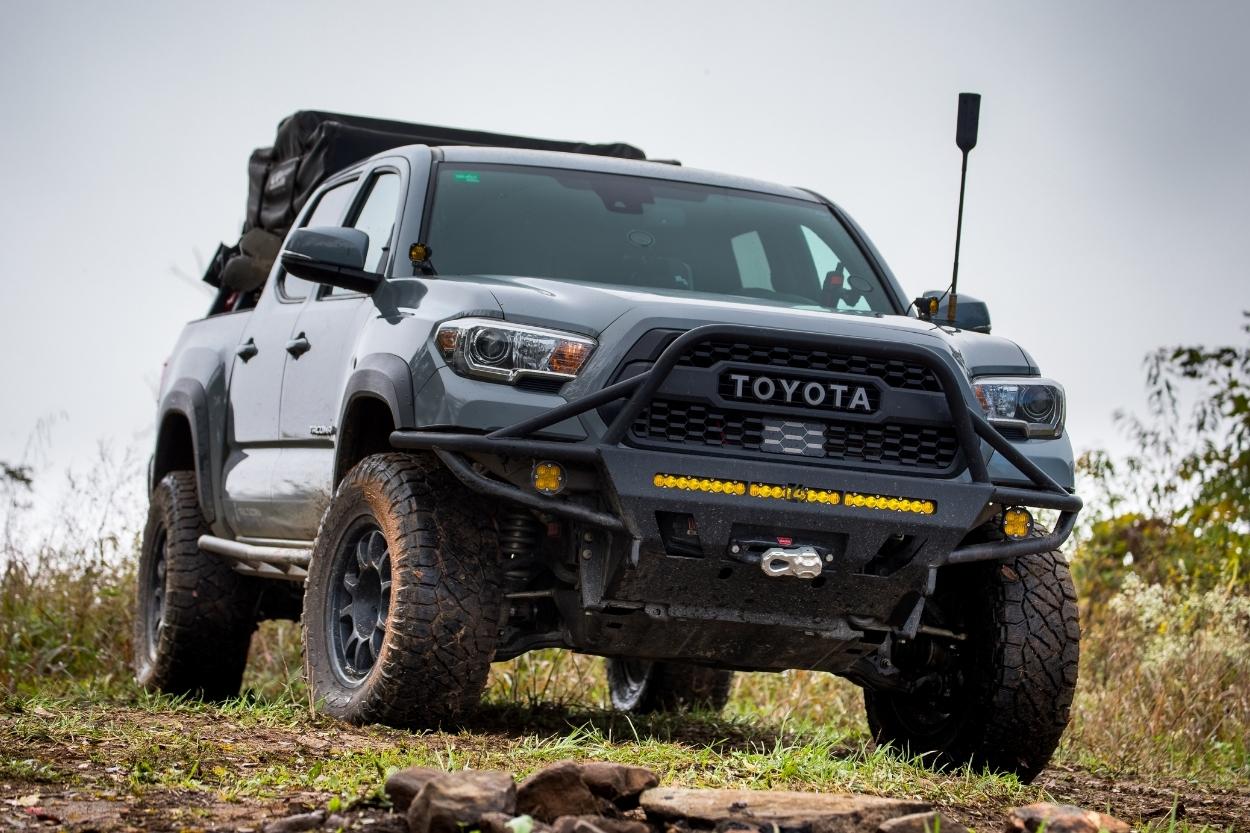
x=1017, y=523
x=548, y=478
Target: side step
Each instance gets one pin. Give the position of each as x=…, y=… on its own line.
x=267, y=561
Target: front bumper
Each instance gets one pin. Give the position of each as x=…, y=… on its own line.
x=635, y=499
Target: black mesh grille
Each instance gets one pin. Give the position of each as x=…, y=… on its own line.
x=689, y=423
x=894, y=372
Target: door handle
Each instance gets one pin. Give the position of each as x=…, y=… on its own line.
x=298, y=346
x=247, y=350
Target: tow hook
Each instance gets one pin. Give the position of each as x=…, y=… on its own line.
x=800, y=562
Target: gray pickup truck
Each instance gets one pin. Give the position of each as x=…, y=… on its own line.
x=483, y=395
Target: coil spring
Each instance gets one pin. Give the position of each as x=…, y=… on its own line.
x=519, y=536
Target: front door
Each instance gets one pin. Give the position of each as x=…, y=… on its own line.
x=316, y=376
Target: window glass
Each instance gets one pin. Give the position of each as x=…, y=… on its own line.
x=376, y=218
x=753, y=268
x=659, y=235
x=328, y=211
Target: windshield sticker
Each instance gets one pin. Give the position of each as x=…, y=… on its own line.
x=466, y=176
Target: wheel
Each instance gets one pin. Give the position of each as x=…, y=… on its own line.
x=403, y=599
x=643, y=687
x=1001, y=698
x=194, y=615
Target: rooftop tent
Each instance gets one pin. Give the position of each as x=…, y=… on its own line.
x=312, y=145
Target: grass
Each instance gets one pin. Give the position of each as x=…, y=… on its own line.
x=1163, y=701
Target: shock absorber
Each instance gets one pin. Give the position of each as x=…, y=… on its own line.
x=519, y=537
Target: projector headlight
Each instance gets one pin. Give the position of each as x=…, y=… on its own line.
x=1032, y=405
x=501, y=352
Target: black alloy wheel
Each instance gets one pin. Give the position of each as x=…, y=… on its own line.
x=360, y=601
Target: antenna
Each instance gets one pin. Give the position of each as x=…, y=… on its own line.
x=966, y=139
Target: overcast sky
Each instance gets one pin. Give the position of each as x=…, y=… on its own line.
x=1108, y=199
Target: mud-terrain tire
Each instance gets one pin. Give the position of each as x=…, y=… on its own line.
x=403, y=600
x=1015, y=677
x=643, y=687
x=194, y=615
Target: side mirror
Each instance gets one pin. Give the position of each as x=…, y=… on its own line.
x=970, y=314
x=331, y=255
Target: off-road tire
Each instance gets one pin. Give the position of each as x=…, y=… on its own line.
x=192, y=628
x=641, y=687
x=444, y=597
x=1017, y=673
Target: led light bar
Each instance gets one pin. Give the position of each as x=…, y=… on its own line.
x=699, y=484
x=794, y=493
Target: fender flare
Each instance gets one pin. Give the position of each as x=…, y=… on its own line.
x=187, y=398
x=381, y=376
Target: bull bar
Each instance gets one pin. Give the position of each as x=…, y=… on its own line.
x=971, y=429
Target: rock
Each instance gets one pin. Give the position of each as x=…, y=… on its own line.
x=456, y=800
x=403, y=785
x=296, y=824
x=338, y=821
x=558, y=791
x=619, y=783
x=1061, y=818
x=504, y=823
x=931, y=822
x=597, y=824
x=796, y=812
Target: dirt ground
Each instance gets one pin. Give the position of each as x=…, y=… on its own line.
x=82, y=782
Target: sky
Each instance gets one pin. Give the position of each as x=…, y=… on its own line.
x=1108, y=199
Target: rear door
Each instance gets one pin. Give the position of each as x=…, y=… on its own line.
x=255, y=385
x=314, y=379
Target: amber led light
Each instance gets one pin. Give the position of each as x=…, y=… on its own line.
x=548, y=478
x=890, y=504
x=1017, y=523
x=699, y=484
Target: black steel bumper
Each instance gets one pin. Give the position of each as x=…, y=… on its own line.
x=629, y=471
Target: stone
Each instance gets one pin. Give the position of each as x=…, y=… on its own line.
x=558, y=790
x=598, y=824
x=930, y=822
x=795, y=812
x=1061, y=818
x=404, y=784
x=457, y=800
x=504, y=823
x=619, y=783
x=296, y=824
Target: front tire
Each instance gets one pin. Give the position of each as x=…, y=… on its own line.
x=1009, y=689
x=194, y=615
x=402, y=605
x=643, y=687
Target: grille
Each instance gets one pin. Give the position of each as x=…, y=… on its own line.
x=894, y=372
x=930, y=448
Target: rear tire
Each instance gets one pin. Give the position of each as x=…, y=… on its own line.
x=402, y=606
x=194, y=615
x=1010, y=687
x=644, y=687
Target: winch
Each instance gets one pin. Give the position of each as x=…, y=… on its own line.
x=800, y=562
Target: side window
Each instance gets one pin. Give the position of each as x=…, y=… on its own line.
x=376, y=218
x=753, y=269
x=328, y=211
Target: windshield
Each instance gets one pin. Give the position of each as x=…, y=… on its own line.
x=651, y=234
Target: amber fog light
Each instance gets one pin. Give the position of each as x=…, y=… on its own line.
x=1017, y=523
x=548, y=478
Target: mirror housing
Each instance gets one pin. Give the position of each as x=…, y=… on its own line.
x=331, y=255
x=970, y=313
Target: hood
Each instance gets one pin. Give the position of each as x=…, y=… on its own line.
x=592, y=309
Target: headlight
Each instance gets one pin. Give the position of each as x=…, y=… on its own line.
x=1032, y=406
x=502, y=352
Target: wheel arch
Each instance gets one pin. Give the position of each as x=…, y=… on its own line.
x=377, y=399
x=182, y=441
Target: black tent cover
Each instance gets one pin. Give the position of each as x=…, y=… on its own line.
x=311, y=145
